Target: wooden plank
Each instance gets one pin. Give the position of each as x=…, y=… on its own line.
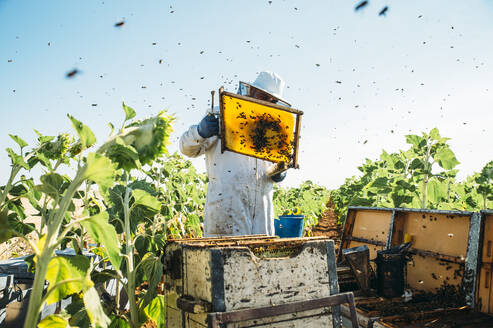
x=260, y=102
x=296, y=141
x=368, y=241
x=438, y=256
x=364, y=321
x=222, y=135
x=197, y=274
x=485, y=291
x=173, y=318
x=313, y=318
x=201, y=240
x=193, y=305
x=270, y=311
x=273, y=242
x=347, y=230
x=398, y=229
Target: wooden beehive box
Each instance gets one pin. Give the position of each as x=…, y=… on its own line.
x=219, y=275
x=444, y=248
x=478, y=267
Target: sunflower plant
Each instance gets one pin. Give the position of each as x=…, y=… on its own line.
x=103, y=201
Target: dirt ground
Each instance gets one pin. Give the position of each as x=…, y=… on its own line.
x=327, y=226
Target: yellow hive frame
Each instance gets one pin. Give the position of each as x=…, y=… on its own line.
x=226, y=132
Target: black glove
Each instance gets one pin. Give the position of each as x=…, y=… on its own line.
x=209, y=126
x=279, y=176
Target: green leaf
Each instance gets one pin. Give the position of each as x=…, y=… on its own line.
x=471, y=202
x=124, y=155
x=435, y=135
x=101, y=170
x=436, y=191
x=18, y=190
x=16, y=159
x=102, y=232
x=446, y=158
x=143, y=198
x=42, y=138
x=380, y=183
x=77, y=312
x=103, y=275
x=63, y=268
x=118, y=322
x=360, y=201
x=52, y=184
x=129, y=112
x=18, y=140
x=85, y=134
x=94, y=308
x=416, y=164
x=112, y=127
x=414, y=139
x=5, y=232
x=153, y=271
x=155, y=310
x=16, y=224
x=40, y=158
x=399, y=198
x=54, y=321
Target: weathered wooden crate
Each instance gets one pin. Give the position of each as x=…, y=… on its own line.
x=445, y=252
x=218, y=275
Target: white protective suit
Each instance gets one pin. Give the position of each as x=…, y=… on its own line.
x=239, y=194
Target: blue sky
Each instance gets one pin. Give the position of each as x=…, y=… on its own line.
x=425, y=64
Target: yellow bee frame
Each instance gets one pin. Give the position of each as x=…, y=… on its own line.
x=260, y=129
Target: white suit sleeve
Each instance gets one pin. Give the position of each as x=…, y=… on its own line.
x=192, y=144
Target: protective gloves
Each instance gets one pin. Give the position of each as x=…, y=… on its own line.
x=279, y=176
x=209, y=126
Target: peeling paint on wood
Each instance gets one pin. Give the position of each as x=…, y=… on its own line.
x=250, y=276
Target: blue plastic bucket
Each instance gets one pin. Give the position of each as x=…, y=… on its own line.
x=288, y=226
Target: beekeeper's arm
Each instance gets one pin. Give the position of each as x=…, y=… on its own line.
x=199, y=138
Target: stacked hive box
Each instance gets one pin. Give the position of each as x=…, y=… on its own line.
x=222, y=275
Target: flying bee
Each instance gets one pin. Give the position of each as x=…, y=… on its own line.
x=360, y=5
x=72, y=73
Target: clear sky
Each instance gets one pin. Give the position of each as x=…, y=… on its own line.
x=363, y=80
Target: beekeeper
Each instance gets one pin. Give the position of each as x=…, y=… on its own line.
x=239, y=193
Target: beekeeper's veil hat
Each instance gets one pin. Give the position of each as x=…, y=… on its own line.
x=268, y=82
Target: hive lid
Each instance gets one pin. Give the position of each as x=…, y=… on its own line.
x=245, y=241
x=259, y=129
